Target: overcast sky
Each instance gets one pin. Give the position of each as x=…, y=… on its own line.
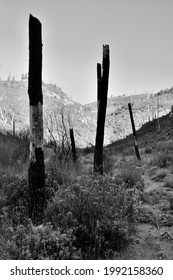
x=139, y=33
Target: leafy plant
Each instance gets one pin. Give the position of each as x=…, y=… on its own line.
x=40, y=243
x=130, y=176
x=100, y=212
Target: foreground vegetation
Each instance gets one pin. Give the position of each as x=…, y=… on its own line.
x=86, y=216
x=124, y=214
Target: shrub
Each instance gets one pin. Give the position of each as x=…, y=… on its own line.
x=128, y=151
x=168, y=182
x=40, y=243
x=159, y=176
x=22, y=239
x=165, y=146
x=98, y=210
x=6, y=155
x=89, y=149
x=15, y=200
x=148, y=150
x=108, y=163
x=13, y=150
x=130, y=176
x=162, y=160
x=62, y=173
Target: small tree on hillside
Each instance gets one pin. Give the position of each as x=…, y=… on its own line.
x=58, y=134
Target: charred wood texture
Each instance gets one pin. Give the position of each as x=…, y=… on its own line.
x=134, y=133
x=102, y=90
x=36, y=180
x=35, y=62
x=73, y=145
x=36, y=171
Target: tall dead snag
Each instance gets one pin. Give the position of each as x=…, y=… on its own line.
x=134, y=133
x=99, y=76
x=102, y=90
x=73, y=145
x=36, y=171
x=13, y=124
x=158, y=122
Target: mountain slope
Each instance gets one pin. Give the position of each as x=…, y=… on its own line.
x=14, y=101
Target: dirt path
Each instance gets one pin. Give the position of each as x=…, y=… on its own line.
x=153, y=238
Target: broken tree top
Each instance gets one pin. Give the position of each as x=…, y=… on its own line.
x=34, y=19
x=105, y=50
x=35, y=62
x=34, y=31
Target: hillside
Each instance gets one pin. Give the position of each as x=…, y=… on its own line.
x=153, y=235
x=14, y=102
x=144, y=106
x=133, y=201
x=129, y=209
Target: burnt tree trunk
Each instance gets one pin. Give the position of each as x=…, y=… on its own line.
x=158, y=122
x=14, y=128
x=13, y=124
x=36, y=171
x=73, y=145
x=134, y=133
x=102, y=90
x=99, y=76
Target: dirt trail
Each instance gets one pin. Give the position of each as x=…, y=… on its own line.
x=153, y=238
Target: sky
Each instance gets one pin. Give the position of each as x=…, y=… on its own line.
x=139, y=34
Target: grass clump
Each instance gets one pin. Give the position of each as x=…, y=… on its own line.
x=86, y=217
x=131, y=176
x=14, y=200
x=14, y=150
x=20, y=238
x=162, y=160
x=99, y=211
x=40, y=243
x=148, y=150
x=159, y=176
x=62, y=173
x=89, y=149
x=108, y=163
x=168, y=182
x=89, y=219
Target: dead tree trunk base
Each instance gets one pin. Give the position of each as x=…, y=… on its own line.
x=36, y=179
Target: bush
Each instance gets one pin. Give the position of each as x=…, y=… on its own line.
x=162, y=160
x=168, y=182
x=89, y=149
x=148, y=150
x=15, y=200
x=108, y=163
x=130, y=176
x=159, y=176
x=5, y=156
x=100, y=212
x=40, y=243
x=13, y=150
x=23, y=240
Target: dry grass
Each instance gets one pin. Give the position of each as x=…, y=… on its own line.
x=168, y=181
x=162, y=159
